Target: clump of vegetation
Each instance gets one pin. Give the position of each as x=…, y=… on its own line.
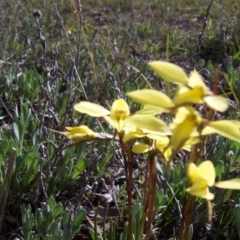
x=143, y=152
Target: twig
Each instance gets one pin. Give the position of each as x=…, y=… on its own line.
x=200, y=36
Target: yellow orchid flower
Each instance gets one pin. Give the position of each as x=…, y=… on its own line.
x=198, y=92
x=116, y=117
x=119, y=116
x=203, y=176
x=194, y=89
x=83, y=133
x=200, y=179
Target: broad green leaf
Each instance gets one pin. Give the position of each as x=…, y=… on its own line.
x=55, y=229
x=151, y=97
x=170, y=72
x=39, y=220
x=65, y=219
x=92, y=109
x=58, y=209
x=101, y=167
x=77, y=221
x=80, y=166
x=51, y=203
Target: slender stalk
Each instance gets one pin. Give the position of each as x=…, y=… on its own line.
x=151, y=194
x=127, y=157
x=145, y=195
x=186, y=219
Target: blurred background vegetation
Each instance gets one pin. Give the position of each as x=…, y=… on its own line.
x=97, y=51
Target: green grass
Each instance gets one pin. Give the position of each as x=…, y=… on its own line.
x=102, y=53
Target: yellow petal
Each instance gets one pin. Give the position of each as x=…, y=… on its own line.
x=120, y=108
x=206, y=171
x=169, y=72
x=162, y=142
x=140, y=148
x=192, y=173
x=92, y=109
x=190, y=96
x=151, y=97
x=81, y=133
x=132, y=135
x=200, y=189
x=148, y=124
x=184, y=124
x=227, y=128
x=229, y=184
x=181, y=133
x=196, y=82
x=115, y=122
x=217, y=103
x=150, y=110
x=191, y=141
x=167, y=154
x=81, y=129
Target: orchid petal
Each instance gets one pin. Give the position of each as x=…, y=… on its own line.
x=184, y=124
x=207, y=172
x=120, y=108
x=132, y=135
x=148, y=123
x=92, y=109
x=227, y=128
x=151, y=97
x=169, y=72
x=150, y=110
x=229, y=184
x=196, y=81
x=217, y=103
x=204, y=171
x=200, y=189
x=140, y=148
x=190, y=96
